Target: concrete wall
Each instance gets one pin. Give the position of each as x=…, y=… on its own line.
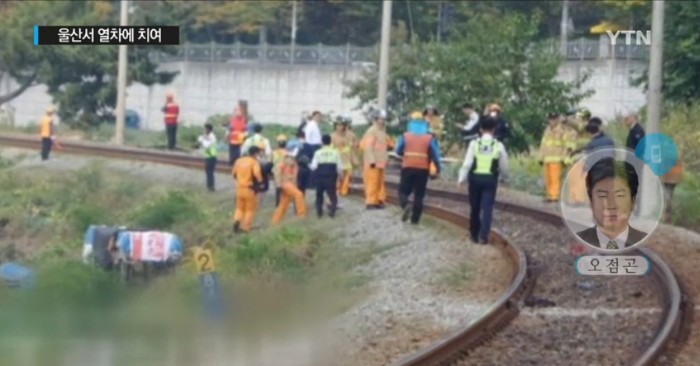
x=279, y=93
x=610, y=80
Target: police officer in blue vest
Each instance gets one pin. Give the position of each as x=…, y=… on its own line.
x=486, y=158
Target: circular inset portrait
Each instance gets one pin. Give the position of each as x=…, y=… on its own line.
x=611, y=200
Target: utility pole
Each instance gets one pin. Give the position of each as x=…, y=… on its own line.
x=439, y=21
x=384, y=55
x=121, y=78
x=564, y=27
x=654, y=96
x=294, y=30
x=656, y=54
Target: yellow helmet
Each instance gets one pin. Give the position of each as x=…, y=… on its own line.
x=50, y=109
x=416, y=115
x=281, y=138
x=495, y=107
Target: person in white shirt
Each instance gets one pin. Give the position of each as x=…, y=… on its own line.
x=485, y=160
x=208, y=143
x=470, y=130
x=312, y=141
x=312, y=130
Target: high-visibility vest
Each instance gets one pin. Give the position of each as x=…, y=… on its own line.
x=278, y=155
x=375, y=145
x=46, y=124
x=211, y=151
x=486, y=154
x=172, y=110
x=416, y=151
x=327, y=160
x=259, y=141
x=237, y=128
x=344, y=142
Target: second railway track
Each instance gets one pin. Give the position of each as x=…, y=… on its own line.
x=671, y=317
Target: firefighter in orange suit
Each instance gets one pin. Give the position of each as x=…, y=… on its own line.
x=172, y=112
x=277, y=157
x=418, y=149
x=554, y=149
x=248, y=175
x=343, y=140
x=375, y=157
x=670, y=180
x=286, y=180
x=47, y=132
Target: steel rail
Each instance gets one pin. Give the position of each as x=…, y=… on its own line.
x=670, y=330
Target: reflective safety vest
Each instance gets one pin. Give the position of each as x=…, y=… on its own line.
x=211, y=151
x=278, y=155
x=416, y=151
x=554, y=147
x=46, y=126
x=486, y=154
x=172, y=110
x=344, y=142
x=327, y=160
x=237, y=129
x=259, y=141
x=374, y=145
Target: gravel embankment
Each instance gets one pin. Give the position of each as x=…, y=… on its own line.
x=570, y=319
x=409, y=307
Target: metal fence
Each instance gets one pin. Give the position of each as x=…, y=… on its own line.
x=582, y=49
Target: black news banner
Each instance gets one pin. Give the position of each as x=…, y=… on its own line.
x=92, y=35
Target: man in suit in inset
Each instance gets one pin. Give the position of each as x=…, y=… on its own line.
x=612, y=189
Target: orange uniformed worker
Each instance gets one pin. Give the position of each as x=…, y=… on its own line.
x=375, y=157
x=286, y=173
x=47, y=132
x=670, y=180
x=343, y=140
x=248, y=175
x=172, y=112
x=277, y=156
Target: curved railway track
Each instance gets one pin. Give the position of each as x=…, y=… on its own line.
x=669, y=334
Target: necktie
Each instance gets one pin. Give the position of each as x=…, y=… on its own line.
x=612, y=245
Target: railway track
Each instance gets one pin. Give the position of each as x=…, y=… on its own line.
x=668, y=336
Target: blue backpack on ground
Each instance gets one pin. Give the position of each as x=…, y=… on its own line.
x=15, y=275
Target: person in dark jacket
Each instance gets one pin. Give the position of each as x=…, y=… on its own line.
x=599, y=140
x=493, y=111
x=636, y=133
x=502, y=127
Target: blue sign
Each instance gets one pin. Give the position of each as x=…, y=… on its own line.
x=658, y=151
x=211, y=296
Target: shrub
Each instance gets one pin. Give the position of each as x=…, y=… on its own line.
x=164, y=212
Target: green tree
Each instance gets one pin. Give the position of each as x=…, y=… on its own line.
x=81, y=79
x=504, y=65
x=236, y=17
x=681, y=60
